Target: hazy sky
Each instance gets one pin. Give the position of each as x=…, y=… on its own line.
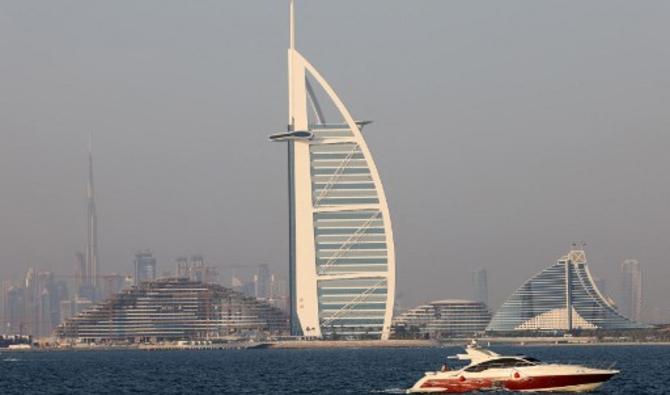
x=503, y=131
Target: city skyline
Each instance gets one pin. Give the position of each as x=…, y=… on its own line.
x=453, y=218
x=42, y=300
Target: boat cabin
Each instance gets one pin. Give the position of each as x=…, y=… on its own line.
x=502, y=363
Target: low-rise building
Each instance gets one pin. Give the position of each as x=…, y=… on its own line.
x=443, y=318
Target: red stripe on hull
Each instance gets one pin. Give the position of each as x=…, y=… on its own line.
x=458, y=385
x=539, y=382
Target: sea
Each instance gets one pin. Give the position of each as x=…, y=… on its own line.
x=645, y=369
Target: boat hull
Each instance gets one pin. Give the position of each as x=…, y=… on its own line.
x=571, y=383
x=549, y=383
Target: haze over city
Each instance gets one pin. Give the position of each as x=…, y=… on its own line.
x=502, y=133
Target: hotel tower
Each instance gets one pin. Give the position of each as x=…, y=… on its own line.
x=341, y=253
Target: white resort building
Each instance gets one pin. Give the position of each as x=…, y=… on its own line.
x=561, y=297
x=443, y=319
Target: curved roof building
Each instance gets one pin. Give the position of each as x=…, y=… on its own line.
x=341, y=253
x=445, y=318
x=173, y=309
x=560, y=297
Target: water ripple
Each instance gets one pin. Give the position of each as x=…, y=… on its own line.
x=342, y=371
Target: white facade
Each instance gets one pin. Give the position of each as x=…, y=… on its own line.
x=342, y=259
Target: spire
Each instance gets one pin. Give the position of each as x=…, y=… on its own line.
x=90, y=169
x=292, y=24
x=92, y=226
x=291, y=43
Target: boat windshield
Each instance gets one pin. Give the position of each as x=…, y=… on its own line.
x=500, y=363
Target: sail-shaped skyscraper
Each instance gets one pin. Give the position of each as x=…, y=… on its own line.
x=341, y=253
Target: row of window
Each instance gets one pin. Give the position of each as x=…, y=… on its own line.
x=331, y=175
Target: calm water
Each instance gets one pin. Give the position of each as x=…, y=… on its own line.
x=645, y=370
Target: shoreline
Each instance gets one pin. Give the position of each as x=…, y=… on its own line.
x=320, y=344
x=345, y=344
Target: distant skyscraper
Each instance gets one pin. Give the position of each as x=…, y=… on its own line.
x=4, y=321
x=111, y=285
x=46, y=304
x=83, y=286
x=66, y=309
x=480, y=286
x=15, y=311
x=630, y=300
x=278, y=293
x=43, y=314
x=341, y=250
x=34, y=307
x=236, y=284
x=263, y=282
x=59, y=293
x=183, y=267
x=201, y=272
x=92, y=264
x=145, y=266
x=80, y=275
x=196, y=270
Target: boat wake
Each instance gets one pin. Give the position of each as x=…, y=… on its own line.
x=390, y=391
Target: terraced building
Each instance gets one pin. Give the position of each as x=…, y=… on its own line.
x=173, y=309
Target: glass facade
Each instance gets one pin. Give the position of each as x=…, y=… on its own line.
x=352, y=308
x=173, y=309
x=349, y=240
x=445, y=318
x=340, y=174
x=560, y=297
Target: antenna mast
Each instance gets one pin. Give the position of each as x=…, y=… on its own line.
x=292, y=24
x=291, y=39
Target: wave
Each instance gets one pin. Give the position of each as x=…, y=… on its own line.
x=390, y=391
